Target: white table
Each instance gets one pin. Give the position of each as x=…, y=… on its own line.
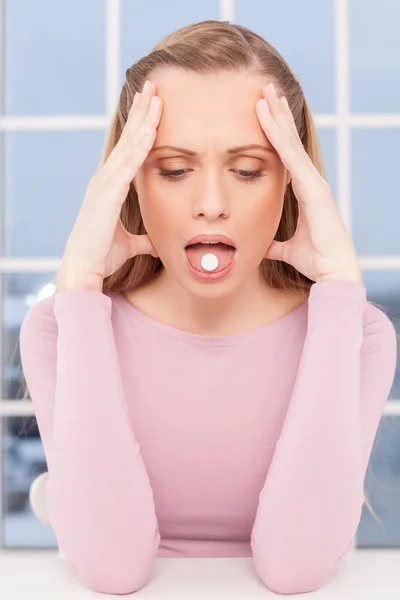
x=363, y=575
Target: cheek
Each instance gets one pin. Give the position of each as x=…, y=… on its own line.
x=160, y=212
x=263, y=221
x=272, y=216
x=146, y=204
x=147, y=197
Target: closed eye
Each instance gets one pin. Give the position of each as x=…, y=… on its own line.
x=175, y=175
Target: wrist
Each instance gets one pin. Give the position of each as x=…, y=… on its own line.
x=342, y=276
x=76, y=281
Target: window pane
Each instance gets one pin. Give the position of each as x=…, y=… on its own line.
x=24, y=460
x=383, y=287
x=46, y=176
x=327, y=140
x=142, y=29
x=374, y=47
x=382, y=486
x=54, y=57
x=303, y=33
x=20, y=292
x=376, y=208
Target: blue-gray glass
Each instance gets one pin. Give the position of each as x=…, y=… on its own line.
x=327, y=140
x=20, y=292
x=24, y=460
x=303, y=32
x=46, y=176
x=382, y=486
x=374, y=54
x=54, y=57
x=375, y=203
x=383, y=288
x=144, y=25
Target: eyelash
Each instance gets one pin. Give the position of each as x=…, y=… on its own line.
x=253, y=175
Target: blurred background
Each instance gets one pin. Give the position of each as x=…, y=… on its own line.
x=62, y=68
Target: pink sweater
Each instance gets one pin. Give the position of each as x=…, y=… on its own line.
x=164, y=443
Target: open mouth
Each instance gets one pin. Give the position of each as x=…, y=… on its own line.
x=223, y=252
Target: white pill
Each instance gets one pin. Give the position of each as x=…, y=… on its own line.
x=209, y=262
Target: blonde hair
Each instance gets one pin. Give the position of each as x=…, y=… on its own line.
x=208, y=47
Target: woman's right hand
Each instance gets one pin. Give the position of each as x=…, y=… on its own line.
x=99, y=244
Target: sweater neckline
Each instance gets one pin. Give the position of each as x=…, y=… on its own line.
x=243, y=337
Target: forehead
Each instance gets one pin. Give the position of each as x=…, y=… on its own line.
x=203, y=105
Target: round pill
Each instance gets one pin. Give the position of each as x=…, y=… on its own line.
x=209, y=262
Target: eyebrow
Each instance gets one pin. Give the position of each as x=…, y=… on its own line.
x=234, y=150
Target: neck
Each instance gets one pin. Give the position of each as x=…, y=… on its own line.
x=251, y=305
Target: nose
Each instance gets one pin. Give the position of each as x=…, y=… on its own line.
x=211, y=199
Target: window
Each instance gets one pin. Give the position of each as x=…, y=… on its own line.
x=53, y=119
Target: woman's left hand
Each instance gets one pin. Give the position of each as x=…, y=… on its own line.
x=321, y=247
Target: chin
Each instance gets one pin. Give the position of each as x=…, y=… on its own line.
x=209, y=289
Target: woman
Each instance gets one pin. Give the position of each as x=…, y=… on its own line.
x=219, y=400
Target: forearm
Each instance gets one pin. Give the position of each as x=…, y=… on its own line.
x=312, y=499
x=100, y=499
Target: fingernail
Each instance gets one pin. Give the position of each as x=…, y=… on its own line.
x=271, y=87
x=146, y=85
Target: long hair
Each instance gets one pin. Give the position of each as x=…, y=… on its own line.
x=207, y=47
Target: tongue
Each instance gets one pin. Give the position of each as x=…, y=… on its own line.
x=224, y=253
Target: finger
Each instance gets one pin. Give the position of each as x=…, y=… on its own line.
x=133, y=160
x=275, y=106
x=138, y=111
x=151, y=117
x=115, y=183
x=141, y=103
x=290, y=117
x=280, y=110
x=278, y=251
x=134, y=157
x=282, y=141
x=136, y=116
x=287, y=111
x=280, y=131
x=269, y=123
x=147, y=117
x=141, y=244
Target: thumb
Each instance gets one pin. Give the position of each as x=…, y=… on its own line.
x=141, y=244
x=278, y=251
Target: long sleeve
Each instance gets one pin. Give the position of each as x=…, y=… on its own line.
x=101, y=503
x=311, y=502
